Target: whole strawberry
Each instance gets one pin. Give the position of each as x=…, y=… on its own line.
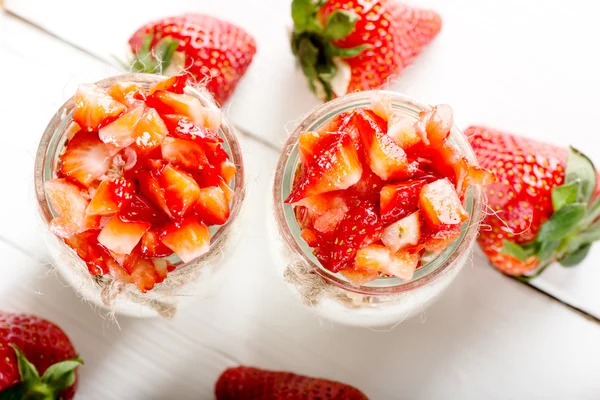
x=37, y=359
x=542, y=207
x=211, y=50
x=247, y=383
x=347, y=46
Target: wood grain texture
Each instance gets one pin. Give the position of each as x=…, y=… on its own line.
x=487, y=337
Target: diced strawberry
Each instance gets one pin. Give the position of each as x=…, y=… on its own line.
x=358, y=277
x=208, y=176
x=129, y=93
x=439, y=241
x=144, y=273
x=228, y=170
x=227, y=190
x=174, y=84
x=86, y=158
x=94, y=107
x=184, y=153
x=186, y=105
x=435, y=125
x=380, y=259
x=403, y=233
x=310, y=237
x=369, y=185
x=120, y=236
x=184, y=128
x=151, y=245
x=212, y=206
x=89, y=250
x=150, y=187
x=72, y=129
x=139, y=209
x=336, y=167
x=440, y=205
x=120, y=132
x=150, y=131
x=218, y=157
x=399, y=200
x=386, y=159
x=180, y=190
x=110, y=196
x=189, y=239
x=403, y=133
x=325, y=210
x=69, y=202
x=336, y=123
x=361, y=225
x=308, y=144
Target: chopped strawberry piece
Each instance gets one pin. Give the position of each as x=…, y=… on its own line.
x=308, y=144
x=182, y=127
x=380, y=259
x=139, y=209
x=360, y=226
x=325, y=210
x=86, y=158
x=89, y=250
x=121, y=131
x=403, y=233
x=403, y=133
x=434, y=125
x=218, y=157
x=439, y=241
x=151, y=246
x=336, y=167
x=228, y=170
x=189, y=239
x=336, y=123
x=184, y=153
x=399, y=200
x=72, y=129
x=174, y=84
x=150, y=187
x=94, y=107
x=110, y=196
x=150, y=131
x=120, y=236
x=144, y=273
x=180, y=190
x=310, y=237
x=358, y=277
x=440, y=205
x=188, y=106
x=69, y=202
x=386, y=159
x=212, y=206
x=129, y=93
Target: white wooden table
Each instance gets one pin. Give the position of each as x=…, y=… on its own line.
x=527, y=67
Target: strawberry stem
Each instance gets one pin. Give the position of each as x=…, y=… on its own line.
x=153, y=60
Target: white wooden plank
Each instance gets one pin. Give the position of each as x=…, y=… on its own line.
x=518, y=78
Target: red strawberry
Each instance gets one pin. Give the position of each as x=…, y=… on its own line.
x=151, y=246
x=324, y=211
x=360, y=226
x=86, y=158
x=175, y=84
x=440, y=205
x=70, y=203
x=189, y=239
x=96, y=256
x=213, y=205
x=94, y=107
x=336, y=167
x=120, y=236
x=144, y=273
x=220, y=159
x=149, y=186
x=347, y=46
x=38, y=359
x=183, y=128
x=150, y=131
x=308, y=144
x=180, y=190
x=383, y=260
x=139, y=209
x=399, y=200
x=245, y=383
x=211, y=50
x=120, y=132
x=543, y=202
x=110, y=196
x=185, y=153
x=128, y=93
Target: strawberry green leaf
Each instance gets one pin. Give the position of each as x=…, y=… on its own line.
x=28, y=372
x=561, y=223
x=563, y=195
x=591, y=234
x=512, y=249
x=164, y=50
x=574, y=258
x=301, y=11
x=546, y=250
x=308, y=55
x=580, y=169
x=340, y=24
x=334, y=51
x=61, y=375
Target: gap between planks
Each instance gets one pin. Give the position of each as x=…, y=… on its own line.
x=251, y=136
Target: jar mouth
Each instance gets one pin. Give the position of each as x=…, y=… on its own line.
x=53, y=140
x=290, y=230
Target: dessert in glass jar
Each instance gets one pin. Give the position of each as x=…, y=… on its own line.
x=140, y=180
x=377, y=202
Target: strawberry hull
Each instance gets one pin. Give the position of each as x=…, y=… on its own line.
x=131, y=180
x=373, y=244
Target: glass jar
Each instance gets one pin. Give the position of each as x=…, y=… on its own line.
x=197, y=277
x=385, y=301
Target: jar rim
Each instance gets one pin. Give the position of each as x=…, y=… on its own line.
x=317, y=118
x=60, y=122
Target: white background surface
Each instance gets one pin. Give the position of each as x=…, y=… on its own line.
x=528, y=68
